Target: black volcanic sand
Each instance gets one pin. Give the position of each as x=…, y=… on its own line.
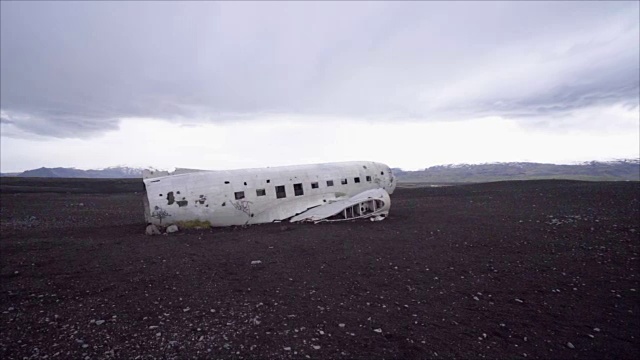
x=535, y=269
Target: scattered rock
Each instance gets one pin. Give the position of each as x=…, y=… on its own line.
x=152, y=230
x=172, y=228
x=145, y=286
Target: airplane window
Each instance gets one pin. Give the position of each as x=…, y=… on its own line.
x=329, y=183
x=280, y=192
x=297, y=189
x=239, y=195
x=343, y=181
x=357, y=180
x=314, y=185
x=368, y=178
x=261, y=192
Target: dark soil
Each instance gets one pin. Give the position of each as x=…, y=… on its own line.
x=536, y=269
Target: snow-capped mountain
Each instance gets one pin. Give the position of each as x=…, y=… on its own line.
x=116, y=172
x=623, y=169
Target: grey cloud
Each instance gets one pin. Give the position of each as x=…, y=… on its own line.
x=562, y=100
x=4, y=119
x=72, y=69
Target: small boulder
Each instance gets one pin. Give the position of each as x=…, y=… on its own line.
x=172, y=229
x=152, y=230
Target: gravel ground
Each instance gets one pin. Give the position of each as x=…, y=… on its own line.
x=531, y=269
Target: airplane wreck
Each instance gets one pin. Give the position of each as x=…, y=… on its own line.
x=300, y=193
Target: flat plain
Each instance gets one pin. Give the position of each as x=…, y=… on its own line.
x=521, y=269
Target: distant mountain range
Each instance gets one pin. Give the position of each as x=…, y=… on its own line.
x=459, y=173
x=118, y=172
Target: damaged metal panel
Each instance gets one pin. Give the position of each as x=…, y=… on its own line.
x=368, y=204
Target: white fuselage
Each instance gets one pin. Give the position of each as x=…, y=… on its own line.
x=252, y=196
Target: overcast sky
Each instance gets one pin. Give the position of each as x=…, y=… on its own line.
x=219, y=85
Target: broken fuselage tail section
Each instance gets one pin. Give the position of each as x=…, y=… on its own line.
x=321, y=192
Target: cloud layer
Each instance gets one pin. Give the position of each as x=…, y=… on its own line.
x=73, y=70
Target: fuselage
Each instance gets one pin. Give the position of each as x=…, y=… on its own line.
x=252, y=196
